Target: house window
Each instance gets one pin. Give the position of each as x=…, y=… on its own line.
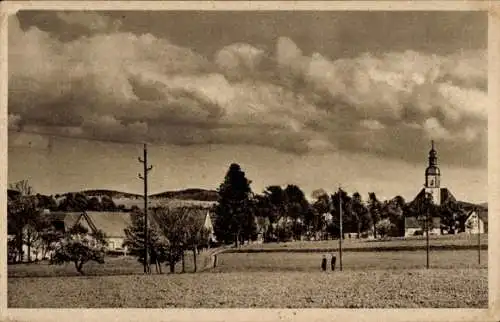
x=111, y=245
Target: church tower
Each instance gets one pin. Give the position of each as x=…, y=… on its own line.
x=433, y=176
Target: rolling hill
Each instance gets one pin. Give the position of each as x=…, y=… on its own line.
x=188, y=194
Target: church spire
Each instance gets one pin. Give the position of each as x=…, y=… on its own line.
x=432, y=173
x=432, y=155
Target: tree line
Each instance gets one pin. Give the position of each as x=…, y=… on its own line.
x=281, y=214
x=68, y=202
x=239, y=216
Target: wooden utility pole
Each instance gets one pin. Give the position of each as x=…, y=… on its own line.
x=478, y=239
x=341, y=230
x=427, y=237
x=144, y=178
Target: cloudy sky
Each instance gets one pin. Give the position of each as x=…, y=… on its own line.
x=316, y=99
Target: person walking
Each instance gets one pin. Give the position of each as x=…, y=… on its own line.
x=323, y=263
x=334, y=260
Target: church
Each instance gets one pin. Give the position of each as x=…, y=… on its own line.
x=432, y=187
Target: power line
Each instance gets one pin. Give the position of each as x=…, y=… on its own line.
x=136, y=142
x=83, y=138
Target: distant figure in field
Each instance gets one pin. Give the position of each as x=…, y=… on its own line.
x=334, y=260
x=323, y=263
x=214, y=260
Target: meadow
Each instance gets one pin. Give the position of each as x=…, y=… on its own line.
x=459, y=241
x=112, y=266
x=351, y=261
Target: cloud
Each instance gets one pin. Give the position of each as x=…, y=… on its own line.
x=118, y=85
x=90, y=20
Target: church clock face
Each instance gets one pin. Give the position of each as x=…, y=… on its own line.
x=432, y=182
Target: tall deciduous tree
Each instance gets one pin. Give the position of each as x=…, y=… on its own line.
x=183, y=228
x=233, y=212
x=394, y=211
x=375, y=210
x=360, y=214
x=22, y=210
x=298, y=209
x=196, y=232
x=347, y=221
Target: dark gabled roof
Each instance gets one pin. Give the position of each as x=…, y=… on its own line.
x=483, y=214
x=467, y=206
x=111, y=223
x=12, y=194
x=200, y=214
x=69, y=218
x=446, y=196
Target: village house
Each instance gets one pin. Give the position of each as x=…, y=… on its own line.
x=477, y=222
x=113, y=224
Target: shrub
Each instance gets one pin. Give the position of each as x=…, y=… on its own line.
x=383, y=227
x=80, y=247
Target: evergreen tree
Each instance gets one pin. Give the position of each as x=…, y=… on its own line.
x=234, y=218
x=135, y=239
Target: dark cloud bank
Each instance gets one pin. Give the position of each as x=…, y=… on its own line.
x=114, y=84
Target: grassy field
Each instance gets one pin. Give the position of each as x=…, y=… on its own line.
x=449, y=241
x=112, y=266
x=310, y=262
x=370, y=289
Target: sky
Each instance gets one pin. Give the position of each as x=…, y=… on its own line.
x=318, y=99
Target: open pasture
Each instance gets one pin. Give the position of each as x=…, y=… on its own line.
x=112, y=266
x=310, y=262
x=458, y=241
x=444, y=288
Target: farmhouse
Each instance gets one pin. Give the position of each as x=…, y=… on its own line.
x=112, y=224
x=477, y=222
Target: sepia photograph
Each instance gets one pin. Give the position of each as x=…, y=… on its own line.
x=276, y=159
